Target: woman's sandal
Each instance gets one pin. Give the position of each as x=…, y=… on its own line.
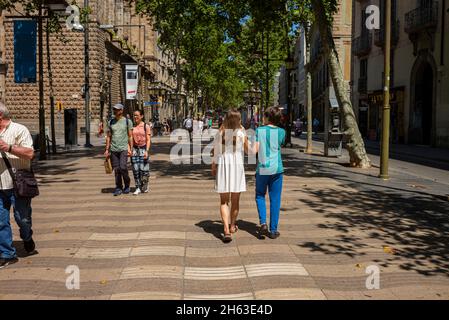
x=235, y=229
x=227, y=238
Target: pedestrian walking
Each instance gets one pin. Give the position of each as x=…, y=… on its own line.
x=188, y=125
x=119, y=147
x=316, y=125
x=269, y=172
x=140, y=159
x=16, y=145
x=210, y=122
x=228, y=168
x=200, y=125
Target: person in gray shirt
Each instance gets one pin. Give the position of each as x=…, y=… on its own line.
x=119, y=148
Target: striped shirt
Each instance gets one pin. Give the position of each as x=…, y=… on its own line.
x=17, y=135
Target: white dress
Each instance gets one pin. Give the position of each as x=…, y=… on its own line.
x=230, y=163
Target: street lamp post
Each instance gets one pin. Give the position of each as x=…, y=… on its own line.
x=43, y=137
x=385, y=150
x=109, y=69
x=252, y=97
x=86, y=78
x=289, y=67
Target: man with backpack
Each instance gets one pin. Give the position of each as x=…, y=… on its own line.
x=119, y=147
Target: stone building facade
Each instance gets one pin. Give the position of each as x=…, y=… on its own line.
x=3, y=65
x=419, y=72
x=325, y=106
x=130, y=40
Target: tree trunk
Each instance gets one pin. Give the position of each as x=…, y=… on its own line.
x=52, y=96
x=308, y=94
x=355, y=145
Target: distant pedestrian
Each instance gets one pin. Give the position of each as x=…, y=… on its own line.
x=269, y=172
x=17, y=145
x=316, y=125
x=119, y=147
x=200, y=125
x=140, y=159
x=188, y=125
x=210, y=122
x=228, y=168
x=174, y=124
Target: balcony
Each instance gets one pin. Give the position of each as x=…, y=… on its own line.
x=379, y=35
x=363, y=85
x=422, y=18
x=361, y=46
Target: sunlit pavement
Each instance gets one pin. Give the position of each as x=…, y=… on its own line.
x=339, y=226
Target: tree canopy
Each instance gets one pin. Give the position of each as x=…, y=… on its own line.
x=222, y=43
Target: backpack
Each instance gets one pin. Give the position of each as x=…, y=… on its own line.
x=127, y=125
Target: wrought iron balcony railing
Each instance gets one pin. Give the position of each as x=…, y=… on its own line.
x=422, y=18
x=379, y=35
x=361, y=46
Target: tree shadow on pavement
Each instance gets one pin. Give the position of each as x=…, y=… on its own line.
x=415, y=227
x=412, y=225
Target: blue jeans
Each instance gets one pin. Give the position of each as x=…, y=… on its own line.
x=274, y=185
x=141, y=168
x=22, y=215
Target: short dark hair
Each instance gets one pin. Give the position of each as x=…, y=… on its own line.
x=273, y=115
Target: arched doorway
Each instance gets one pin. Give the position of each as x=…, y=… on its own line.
x=422, y=111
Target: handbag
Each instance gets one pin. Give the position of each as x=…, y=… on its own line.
x=24, y=181
x=108, y=166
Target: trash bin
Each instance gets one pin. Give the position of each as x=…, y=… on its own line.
x=70, y=127
x=335, y=144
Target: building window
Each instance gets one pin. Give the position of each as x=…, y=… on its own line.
x=363, y=68
x=25, y=51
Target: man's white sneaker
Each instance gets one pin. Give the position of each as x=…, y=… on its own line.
x=137, y=192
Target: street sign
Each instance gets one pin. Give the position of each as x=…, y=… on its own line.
x=59, y=106
x=151, y=103
x=132, y=79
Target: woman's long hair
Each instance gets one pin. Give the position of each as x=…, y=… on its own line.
x=232, y=121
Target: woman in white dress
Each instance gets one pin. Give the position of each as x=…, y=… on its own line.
x=228, y=167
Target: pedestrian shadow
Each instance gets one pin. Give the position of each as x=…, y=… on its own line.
x=20, y=250
x=216, y=228
x=248, y=227
x=108, y=190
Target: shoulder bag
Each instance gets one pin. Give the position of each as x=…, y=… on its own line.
x=24, y=181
